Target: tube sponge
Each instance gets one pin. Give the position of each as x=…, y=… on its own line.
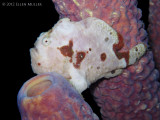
x=154, y=30
x=51, y=97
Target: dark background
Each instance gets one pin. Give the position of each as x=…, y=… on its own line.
x=20, y=26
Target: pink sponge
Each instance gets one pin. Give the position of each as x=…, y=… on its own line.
x=154, y=29
x=51, y=97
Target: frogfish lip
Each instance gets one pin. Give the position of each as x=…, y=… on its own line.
x=34, y=52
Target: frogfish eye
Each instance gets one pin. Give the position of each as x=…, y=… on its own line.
x=46, y=41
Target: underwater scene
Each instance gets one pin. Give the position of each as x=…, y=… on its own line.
x=89, y=59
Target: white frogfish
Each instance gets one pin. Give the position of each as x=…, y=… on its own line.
x=82, y=52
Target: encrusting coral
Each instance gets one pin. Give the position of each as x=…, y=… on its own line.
x=154, y=29
x=135, y=94
x=50, y=97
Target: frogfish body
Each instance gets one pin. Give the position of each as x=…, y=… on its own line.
x=82, y=52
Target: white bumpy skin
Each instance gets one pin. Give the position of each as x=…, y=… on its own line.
x=82, y=52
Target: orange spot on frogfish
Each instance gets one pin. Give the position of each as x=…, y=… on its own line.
x=39, y=64
x=79, y=58
x=103, y=56
x=117, y=47
x=67, y=50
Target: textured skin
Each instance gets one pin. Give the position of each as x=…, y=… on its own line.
x=154, y=29
x=82, y=52
x=137, y=80
x=57, y=102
